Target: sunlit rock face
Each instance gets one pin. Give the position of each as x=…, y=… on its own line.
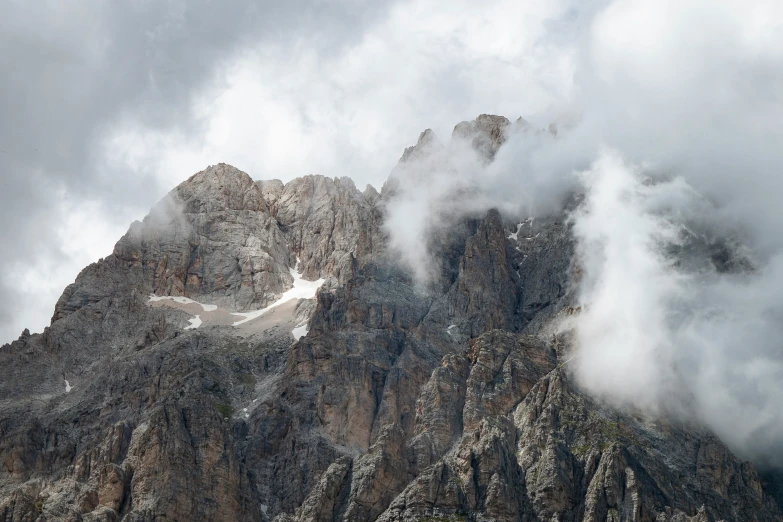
x=255, y=350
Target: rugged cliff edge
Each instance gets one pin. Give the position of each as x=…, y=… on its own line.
x=374, y=400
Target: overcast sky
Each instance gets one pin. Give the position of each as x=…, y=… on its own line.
x=106, y=106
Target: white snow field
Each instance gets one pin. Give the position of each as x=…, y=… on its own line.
x=212, y=315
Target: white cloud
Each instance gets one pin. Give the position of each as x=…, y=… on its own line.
x=688, y=94
x=628, y=286
x=285, y=111
x=86, y=233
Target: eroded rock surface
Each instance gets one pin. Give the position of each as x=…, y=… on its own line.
x=400, y=403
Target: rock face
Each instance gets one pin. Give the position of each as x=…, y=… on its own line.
x=397, y=404
x=486, y=133
x=485, y=288
x=327, y=222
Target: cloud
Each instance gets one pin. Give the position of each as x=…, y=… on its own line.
x=628, y=287
x=684, y=89
x=670, y=123
x=284, y=109
x=667, y=335
x=687, y=89
x=732, y=352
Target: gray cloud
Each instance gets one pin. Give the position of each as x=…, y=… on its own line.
x=72, y=71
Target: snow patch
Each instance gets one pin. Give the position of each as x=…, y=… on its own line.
x=515, y=234
x=300, y=331
x=183, y=300
x=450, y=328
x=302, y=289
x=67, y=386
x=195, y=322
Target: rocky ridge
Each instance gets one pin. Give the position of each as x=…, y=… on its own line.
x=398, y=404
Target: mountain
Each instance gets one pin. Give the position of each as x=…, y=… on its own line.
x=254, y=351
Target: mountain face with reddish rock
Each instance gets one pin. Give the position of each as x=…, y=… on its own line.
x=255, y=351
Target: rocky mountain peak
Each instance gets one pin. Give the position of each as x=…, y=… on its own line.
x=220, y=187
x=425, y=145
x=252, y=350
x=486, y=133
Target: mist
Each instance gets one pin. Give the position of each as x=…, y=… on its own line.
x=672, y=133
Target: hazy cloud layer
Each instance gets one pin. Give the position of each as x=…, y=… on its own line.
x=687, y=95
x=672, y=124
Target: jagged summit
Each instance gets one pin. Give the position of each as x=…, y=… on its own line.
x=355, y=395
x=221, y=187
x=425, y=145
x=483, y=136
x=486, y=133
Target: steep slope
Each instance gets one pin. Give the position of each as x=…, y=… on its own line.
x=453, y=403
x=327, y=222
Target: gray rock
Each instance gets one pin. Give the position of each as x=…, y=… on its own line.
x=485, y=134
x=328, y=223
x=449, y=403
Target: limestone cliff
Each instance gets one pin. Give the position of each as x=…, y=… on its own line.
x=234, y=394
